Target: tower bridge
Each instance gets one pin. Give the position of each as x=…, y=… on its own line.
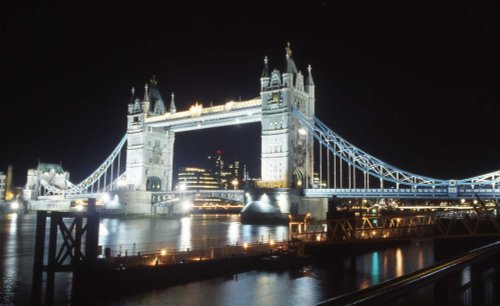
x=303, y=161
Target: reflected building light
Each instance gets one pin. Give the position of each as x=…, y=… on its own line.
x=263, y=233
x=399, y=262
x=375, y=273
x=386, y=264
x=185, y=238
x=281, y=233
x=246, y=232
x=233, y=233
x=103, y=231
x=9, y=279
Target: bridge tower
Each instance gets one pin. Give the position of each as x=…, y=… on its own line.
x=287, y=150
x=150, y=150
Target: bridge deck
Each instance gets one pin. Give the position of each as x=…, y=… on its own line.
x=405, y=193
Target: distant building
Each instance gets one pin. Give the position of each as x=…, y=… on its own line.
x=8, y=193
x=192, y=178
x=216, y=164
x=2, y=187
x=41, y=180
x=228, y=177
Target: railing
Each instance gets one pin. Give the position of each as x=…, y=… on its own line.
x=370, y=227
x=402, y=193
x=431, y=224
x=481, y=262
x=132, y=255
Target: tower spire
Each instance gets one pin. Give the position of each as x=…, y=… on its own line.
x=265, y=71
x=132, y=96
x=290, y=64
x=146, y=94
x=309, y=81
x=172, y=104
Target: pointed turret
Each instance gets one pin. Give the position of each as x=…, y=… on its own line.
x=309, y=81
x=132, y=96
x=264, y=79
x=265, y=71
x=290, y=63
x=145, y=101
x=133, y=106
x=146, y=93
x=155, y=97
x=172, y=105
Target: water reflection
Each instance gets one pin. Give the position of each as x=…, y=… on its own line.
x=233, y=233
x=10, y=269
x=399, y=262
x=375, y=277
x=185, y=237
x=249, y=288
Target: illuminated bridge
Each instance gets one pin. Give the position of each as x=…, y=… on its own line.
x=299, y=153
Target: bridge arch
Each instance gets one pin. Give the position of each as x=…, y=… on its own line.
x=299, y=178
x=153, y=183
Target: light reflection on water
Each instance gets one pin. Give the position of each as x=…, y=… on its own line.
x=375, y=274
x=249, y=288
x=9, y=277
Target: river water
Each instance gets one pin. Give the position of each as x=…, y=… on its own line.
x=320, y=282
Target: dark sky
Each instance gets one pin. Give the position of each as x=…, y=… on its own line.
x=416, y=85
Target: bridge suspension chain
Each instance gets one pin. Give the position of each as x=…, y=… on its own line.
x=371, y=166
x=101, y=173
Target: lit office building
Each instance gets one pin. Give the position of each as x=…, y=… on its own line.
x=196, y=179
x=192, y=178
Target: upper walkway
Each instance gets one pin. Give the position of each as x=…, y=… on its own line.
x=199, y=117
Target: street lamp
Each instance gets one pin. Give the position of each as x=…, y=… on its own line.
x=235, y=183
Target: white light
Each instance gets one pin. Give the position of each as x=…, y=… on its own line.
x=302, y=131
x=186, y=205
x=105, y=197
x=79, y=207
x=182, y=186
x=121, y=183
x=14, y=205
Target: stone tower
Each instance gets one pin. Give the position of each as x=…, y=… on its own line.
x=287, y=149
x=149, y=149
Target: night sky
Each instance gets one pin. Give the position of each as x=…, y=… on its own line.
x=416, y=85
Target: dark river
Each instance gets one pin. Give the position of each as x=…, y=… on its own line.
x=17, y=240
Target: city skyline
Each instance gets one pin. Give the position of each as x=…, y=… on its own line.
x=416, y=85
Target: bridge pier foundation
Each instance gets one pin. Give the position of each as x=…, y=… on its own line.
x=274, y=205
x=136, y=202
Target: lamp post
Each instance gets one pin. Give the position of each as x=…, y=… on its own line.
x=235, y=183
